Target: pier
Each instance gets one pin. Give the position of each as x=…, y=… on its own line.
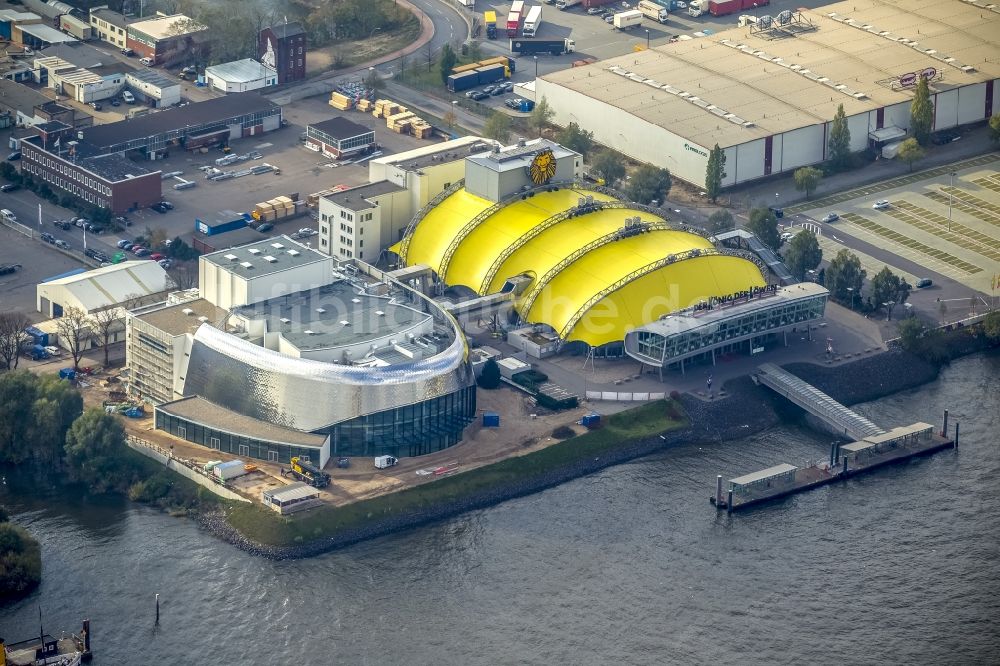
x=843, y=420
x=845, y=461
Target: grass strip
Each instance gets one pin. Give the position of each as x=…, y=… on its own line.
x=266, y=527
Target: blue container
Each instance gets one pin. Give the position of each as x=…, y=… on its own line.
x=220, y=226
x=491, y=73
x=38, y=337
x=67, y=373
x=463, y=81
x=491, y=420
x=590, y=420
x=38, y=353
x=527, y=105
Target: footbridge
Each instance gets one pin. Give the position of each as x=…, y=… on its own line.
x=817, y=403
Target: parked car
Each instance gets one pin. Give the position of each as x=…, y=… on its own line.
x=470, y=93
x=479, y=95
x=264, y=228
x=594, y=10
x=48, y=238
x=945, y=136
x=498, y=90
x=167, y=205
x=513, y=103
x=156, y=256
x=96, y=106
x=306, y=231
x=142, y=252
x=924, y=282
x=787, y=236
x=609, y=18
x=881, y=204
x=830, y=217
x=489, y=90
x=16, y=155
x=115, y=102
x=9, y=187
x=63, y=224
x=122, y=244
x=165, y=263
x=128, y=52
x=128, y=97
x=159, y=208
x=61, y=243
x=508, y=87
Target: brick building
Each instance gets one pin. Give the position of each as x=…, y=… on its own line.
x=168, y=40
x=283, y=47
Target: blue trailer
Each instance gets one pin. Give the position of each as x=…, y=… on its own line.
x=491, y=74
x=38, y=353
x=463, y=81
x=219, y=226
x=38, y=337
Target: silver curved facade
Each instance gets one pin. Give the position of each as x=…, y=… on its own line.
x=312, y=395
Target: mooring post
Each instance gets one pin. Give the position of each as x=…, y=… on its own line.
x=844, y=471
x=157, y=608
x=718, y=489
x=833, y=453
x=944, y=430
x=956, y=434
x=86, y=635
x=729, y=502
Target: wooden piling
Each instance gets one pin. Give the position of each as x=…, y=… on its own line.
x=944, y=430
x=718, y=489
x=157, y=608
x=956, y=435
x=729, y=502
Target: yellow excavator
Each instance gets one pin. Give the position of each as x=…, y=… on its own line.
x=303, y=470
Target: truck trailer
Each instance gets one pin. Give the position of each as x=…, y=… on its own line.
x=490, y=19
x=513, y=24
x=724, y=7
x=532, y=22
x=566, y=4
x=653, y=10
x=628, y=20
x=587, y=4
x=536, y=46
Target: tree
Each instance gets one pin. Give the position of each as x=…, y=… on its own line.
x=807, y=180
x=105, y=324
x=575, y=138
x=885, y=287
x=447, y=63
x=803, y=254
x=57, y=404
x=648, y=184
x=183, y=275
x=715, y=172
x=840, y=140
x=74, y=328
x=844, y=271
x=450, y=119
x=910, y=152
x=541, y=115
x=12, y=337
x=497, y=127
x=489, y=378
x=609, y=166
x=20, y=561
x=156, y=238
x=17, y=395
x=910, y=332
x=764, y=225
x=96, y=451
x=921, y=112
x=991, y=326
x=720, y=221
x=994, y=129
x=373, y=81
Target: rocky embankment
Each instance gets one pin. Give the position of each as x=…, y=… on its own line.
x=747, y=409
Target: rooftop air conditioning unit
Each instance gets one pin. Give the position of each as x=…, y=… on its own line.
x=188, y=311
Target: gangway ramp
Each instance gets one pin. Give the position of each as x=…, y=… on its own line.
x=817, y=403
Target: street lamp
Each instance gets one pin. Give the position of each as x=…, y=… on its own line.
x=647, y=39
x=851, y=289
x=536, y=66
x=951, y=196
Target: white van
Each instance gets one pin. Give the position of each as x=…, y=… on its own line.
x=148, y=62
x=383, y=462
x=128, y=97
x=8, y=215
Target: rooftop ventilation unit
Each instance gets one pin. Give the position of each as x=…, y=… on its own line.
x=294, y=253
x=321, y=310
x=286, y=320
x=379, y=313
x=246, y=264
x=344, y=322
x=203, y=319
x=188, y=311
x=277, y=246
x=268, y=258
x=231, y=257
x=254, y=251
x=355, y=300
x=309, y=332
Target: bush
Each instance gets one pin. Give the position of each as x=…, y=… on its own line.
x=20, y=561
x=563, y=432
x=675, y=395
x=490, y=377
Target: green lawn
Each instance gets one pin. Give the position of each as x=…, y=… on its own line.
x=264, y=526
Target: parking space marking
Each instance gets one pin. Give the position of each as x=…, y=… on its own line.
x=967, y=208
x=886, y=185
x=906, y=241
x=870, y=264
x=974, y=203
x=966, y=238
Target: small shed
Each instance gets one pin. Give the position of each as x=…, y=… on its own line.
x=765, y=478
x=291, y=498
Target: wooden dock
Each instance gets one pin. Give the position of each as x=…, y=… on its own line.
x=845, y=461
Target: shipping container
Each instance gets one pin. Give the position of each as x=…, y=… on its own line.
x=491, y=420
x=463, y=81
x=38, y=336
x=229, y=470
x=219, y=226
x=491, y=73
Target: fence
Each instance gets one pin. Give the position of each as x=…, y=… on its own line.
x=182, y=467
x=631, y=396
x=18, y=227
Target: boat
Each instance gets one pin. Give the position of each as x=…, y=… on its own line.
x=47, y=650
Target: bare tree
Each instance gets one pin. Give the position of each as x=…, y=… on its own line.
x=74, y=329
x=105, y=323
x=132, y=301
x=12, y=337
x=183, y=275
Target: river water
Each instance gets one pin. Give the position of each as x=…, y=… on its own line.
x=628, y=566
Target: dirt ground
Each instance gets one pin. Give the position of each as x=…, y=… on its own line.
x=523, y=428
x=322, y=59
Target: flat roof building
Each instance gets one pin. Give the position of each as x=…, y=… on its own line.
x=168, y=39
x=339, y=137
x=102, y=288
x=240, y=76
x=767, y=93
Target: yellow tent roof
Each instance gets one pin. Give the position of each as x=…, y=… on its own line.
x=440, y=226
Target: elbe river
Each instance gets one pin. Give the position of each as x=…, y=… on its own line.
x=628, y=566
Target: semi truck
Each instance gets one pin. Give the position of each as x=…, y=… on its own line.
x=305, y=471
x=654, y=11
x=536, y=46
x=566, y=4
x=490, y=19
x=513, y=24
x=723, y=7
x=628, y=20
x=532, y=21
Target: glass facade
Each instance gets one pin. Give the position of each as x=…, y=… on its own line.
x=413, y=430
x=238, y=445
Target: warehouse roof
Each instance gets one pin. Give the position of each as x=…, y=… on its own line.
x=240, y=71
x=46, y=33
x=83, y=55
x=266, y=256
x=357, y=198
x=163, y=27
x=183, y=317
x=341, y=128
x=196, y=114
x=15, y=16
x=20, y=97
x=153, y=78
x=739, y=85
x=111, y=17
x=111, y=285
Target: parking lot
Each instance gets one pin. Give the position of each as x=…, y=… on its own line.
x=38, y=261
x=944, y=224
